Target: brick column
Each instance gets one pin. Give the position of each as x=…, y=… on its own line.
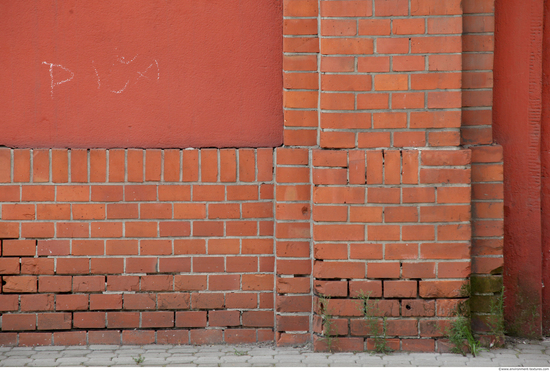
x=293, y=179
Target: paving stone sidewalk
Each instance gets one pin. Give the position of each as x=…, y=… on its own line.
x=516, y=354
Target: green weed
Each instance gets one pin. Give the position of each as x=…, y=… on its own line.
x=241, y=352
x=326, y=317
x=460, y=331
x=371, y=316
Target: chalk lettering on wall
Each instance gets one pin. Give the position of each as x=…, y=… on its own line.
x=55, y=83
x=121, y=90
x=142, y=74
x=97, y=75
x=122, y=60
x=158, y=71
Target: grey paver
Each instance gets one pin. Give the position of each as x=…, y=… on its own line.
x=518, y=355
x=233, y=358
x=20, y=352
x=201, y=360
x=183, y=359
x=14, y=362
x=289, y=364
x=235, y=364
x=154, y=361
x=182, y=365
x=98, y=362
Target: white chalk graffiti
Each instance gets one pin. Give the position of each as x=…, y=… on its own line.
x=123, y=60
x=55, y=83
x=141, y=74
x=97, y=75
x=121, y=90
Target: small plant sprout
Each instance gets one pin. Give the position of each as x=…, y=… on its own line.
x=326, y=317
x=371, y=316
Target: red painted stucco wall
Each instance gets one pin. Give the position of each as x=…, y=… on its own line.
x=520, y=124
x=154, y=74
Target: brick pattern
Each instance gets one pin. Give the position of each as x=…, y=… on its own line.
x=300, y=72
x=487, y=166
x=398, y=233
x=130, y=239
x=391, y=73
x=387, y=184
x=293, y=245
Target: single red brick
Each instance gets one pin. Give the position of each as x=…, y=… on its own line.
x=21, y=284
x=173, y=300
x=153, y=165
x=293, y=304
x=79, y=166
x=88, y=247
x=385, y=8
x=135, y=165
x=400, y=251
x=209, y=165
x=440, y=289
x=54, y=284
x=371, y=289
x=9, y=303
x=60, y=166
x=89, y=320
x=117, y=164
x=18, y=247
x=207, y=300
x=190, y=282
x=176, y=337
x=40, y=165
x=72, y=266
x=383, y=270
x=37, y=303
x=228, y=165
x=190, y=164
x=138, y=337
x=139, y=301
x=257, y=282
x=21, y=165
x=88, y=283
x=71, y=302
x=366, y=251
x=191, y=319
x=98, y=165
x=157, y=319
x=400, y=289
x=18, y=322
x=202, y=337
x=5, y=165
x=104, y=337
x=157, y=283
x=122, y=319
x=258, y=319
x=172, y=158
x=8, y=339
x=54, y=321
x=105, y=301
x=69, y=338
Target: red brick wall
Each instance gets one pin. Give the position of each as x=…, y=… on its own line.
x=371, y=191
x=169, y=245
